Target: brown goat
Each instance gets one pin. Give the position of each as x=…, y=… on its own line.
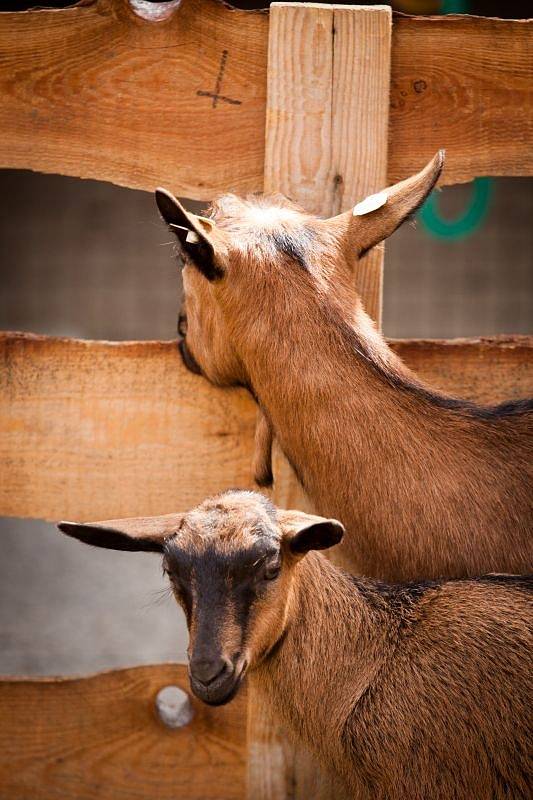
x=427, y=485
x=419, y=691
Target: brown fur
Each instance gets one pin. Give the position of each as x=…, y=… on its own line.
x=426, y=485
x=407, y=692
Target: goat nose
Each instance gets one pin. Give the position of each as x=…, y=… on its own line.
x=206, y=670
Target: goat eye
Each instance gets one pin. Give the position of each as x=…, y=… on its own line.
x=272, y=570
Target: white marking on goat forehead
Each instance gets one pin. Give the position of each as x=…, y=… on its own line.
x=270, y=216
x=241, y=518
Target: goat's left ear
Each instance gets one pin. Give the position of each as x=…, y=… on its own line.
x=192, y=232
x=304, y=532
x=133, y=534
x=262, y=458
x=375, y=218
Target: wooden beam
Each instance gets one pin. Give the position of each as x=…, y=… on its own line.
x=86, y=430
x=360, y=117
x=95, y=430
x=81, y=738
x=327, y=113
x=487, y=370
x=97, y=92
x=87, y=433
x=298, y=133
x=468, y=83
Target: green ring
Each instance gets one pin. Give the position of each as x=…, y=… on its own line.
x=466, y=223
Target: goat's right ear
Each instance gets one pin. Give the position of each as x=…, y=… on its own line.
x=134, y=534
x=192, y=233
x=376, y=217
x=303, y=532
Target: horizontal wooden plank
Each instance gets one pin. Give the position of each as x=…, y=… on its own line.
x=466, y=84
x=96, y=430
x=97, y=92
x=487, y=370
x=100, y=737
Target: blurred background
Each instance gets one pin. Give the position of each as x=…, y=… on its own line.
x=90, y=260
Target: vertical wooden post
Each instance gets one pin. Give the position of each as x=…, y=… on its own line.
x=360, y=123
x=326, y=148
x=328, y=111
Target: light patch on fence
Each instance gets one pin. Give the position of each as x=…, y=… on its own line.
x=174, y=707
x=154, y=12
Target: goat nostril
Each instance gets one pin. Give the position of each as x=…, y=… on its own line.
x=206, y=671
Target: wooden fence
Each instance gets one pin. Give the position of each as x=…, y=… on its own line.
x=324, y=103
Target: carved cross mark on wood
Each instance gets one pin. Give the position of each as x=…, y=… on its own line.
x=215, y=95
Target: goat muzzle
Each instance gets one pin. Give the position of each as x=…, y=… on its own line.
x=216, y=681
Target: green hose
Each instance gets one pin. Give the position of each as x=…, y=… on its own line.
x=467, y=222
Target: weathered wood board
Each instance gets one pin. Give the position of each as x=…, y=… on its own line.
x=97, y=92
x=468, y=82
x=330, y=150
x=100, y=737
x=360, y=120
x=487, y=370
x=96, y=430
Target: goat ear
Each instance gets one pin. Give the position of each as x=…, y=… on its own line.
x=262, y=458
x=304, y=532
x=376, y=217
x=192, y=232
x=133, y=534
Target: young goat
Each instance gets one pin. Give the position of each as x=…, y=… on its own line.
x=427, y=485
x=419, y=691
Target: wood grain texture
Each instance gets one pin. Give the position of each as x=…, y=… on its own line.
x=270, y=757
x=298, y=135
x=327, y=113
x=96, y=92
x=97, y=430
x=486, y=370
x=360, y=115
x=100, y=737
x=86, y=431
x=465, y=84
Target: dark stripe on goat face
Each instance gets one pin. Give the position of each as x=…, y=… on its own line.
x=210, y=570
x=224, y=588
x=295, y=244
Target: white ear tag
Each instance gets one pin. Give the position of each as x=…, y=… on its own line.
x=370, y=203
x=192, y=237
